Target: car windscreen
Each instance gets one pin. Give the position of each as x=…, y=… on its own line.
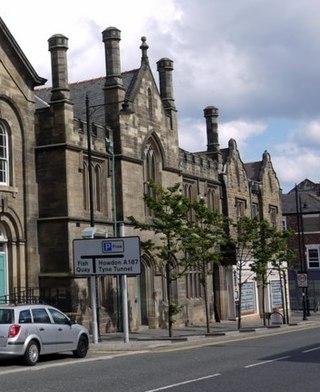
x=6, y=316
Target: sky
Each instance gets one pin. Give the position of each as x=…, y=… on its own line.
x=257, y=61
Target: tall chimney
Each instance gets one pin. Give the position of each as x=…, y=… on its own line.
x=114, y=92
x=165, y=68
x=58, y=46
x=111, y=38
x=211, y=114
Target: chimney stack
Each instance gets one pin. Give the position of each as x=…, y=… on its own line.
x=111, y=38
x=58, y=46
x=165, y=68
x=211, y=114
x=114, y=92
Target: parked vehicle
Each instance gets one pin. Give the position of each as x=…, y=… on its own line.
x=29, y=331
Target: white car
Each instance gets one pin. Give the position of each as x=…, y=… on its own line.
x=33, y=330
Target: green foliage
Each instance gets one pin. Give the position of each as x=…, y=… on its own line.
x=175, y=308
x=246, y=237
x=264, y=246
x=187, y=232
x=270, y=246
x=169, y=223
x=207, y=233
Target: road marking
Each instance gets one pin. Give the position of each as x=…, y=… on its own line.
x=53, y=364
x=184, y=383
x=310, y=349
x=264, y=362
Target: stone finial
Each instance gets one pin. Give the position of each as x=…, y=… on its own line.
x=144, y=49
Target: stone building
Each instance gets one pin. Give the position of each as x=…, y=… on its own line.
x=252, y=189
x=79, y=155
x=19, y=258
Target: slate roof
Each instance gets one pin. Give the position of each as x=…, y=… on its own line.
x=309, y=202
x=253, y=170
x=307, y=186
x=94, y=89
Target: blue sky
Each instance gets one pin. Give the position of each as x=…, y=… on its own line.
x=258, y=61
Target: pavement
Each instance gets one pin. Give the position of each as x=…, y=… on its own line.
x=149, y=339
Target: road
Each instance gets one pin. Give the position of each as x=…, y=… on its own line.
x=284, y=361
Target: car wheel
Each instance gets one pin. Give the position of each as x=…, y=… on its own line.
x=82, y=347
x=31, y=354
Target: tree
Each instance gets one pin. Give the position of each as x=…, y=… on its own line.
x=282, y=255
x=271, y=247
x=203, y=244
x=244, y=241
x=169, y=222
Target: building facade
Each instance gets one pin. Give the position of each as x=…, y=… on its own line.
x=301, y=214
x=252, y=190
x=79, y=155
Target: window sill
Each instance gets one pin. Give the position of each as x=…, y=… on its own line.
x=9, y=189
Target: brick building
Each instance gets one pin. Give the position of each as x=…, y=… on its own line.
x=46, y=200
x=301, y=213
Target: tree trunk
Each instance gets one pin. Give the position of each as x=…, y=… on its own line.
x=239, y=303
x=168, y=278
x=263, y=301
x=205, y=288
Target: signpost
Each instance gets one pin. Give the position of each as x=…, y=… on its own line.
x=302, y=279
x=108, y=256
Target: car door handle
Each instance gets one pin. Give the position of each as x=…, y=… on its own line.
x=60, y=329
x=41, y=329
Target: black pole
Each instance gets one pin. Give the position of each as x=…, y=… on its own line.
x=91, y=194
x=305, y=269
x=89, y=162
x=302, y=267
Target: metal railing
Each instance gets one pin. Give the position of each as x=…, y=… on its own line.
x=59, y=298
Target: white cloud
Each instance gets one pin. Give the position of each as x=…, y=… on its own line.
x=255, y=60
x=308, y=135
x=295, y=168
x=192, y=135
x=241, y=131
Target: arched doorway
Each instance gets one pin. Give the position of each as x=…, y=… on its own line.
x=146, y=288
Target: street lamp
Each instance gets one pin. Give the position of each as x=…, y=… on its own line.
x=92, y=231
x=301, y=250
x=110, y=151
x=121, y=284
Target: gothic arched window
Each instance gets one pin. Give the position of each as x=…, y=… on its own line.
x=97, y=183
x=96, y=186
x=151, y=167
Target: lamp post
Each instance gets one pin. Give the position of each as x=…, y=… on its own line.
x=93, y=279
x=301, y=249
x=89, y=162
x=121, y=283
x=118, y=230
x=110, y=151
